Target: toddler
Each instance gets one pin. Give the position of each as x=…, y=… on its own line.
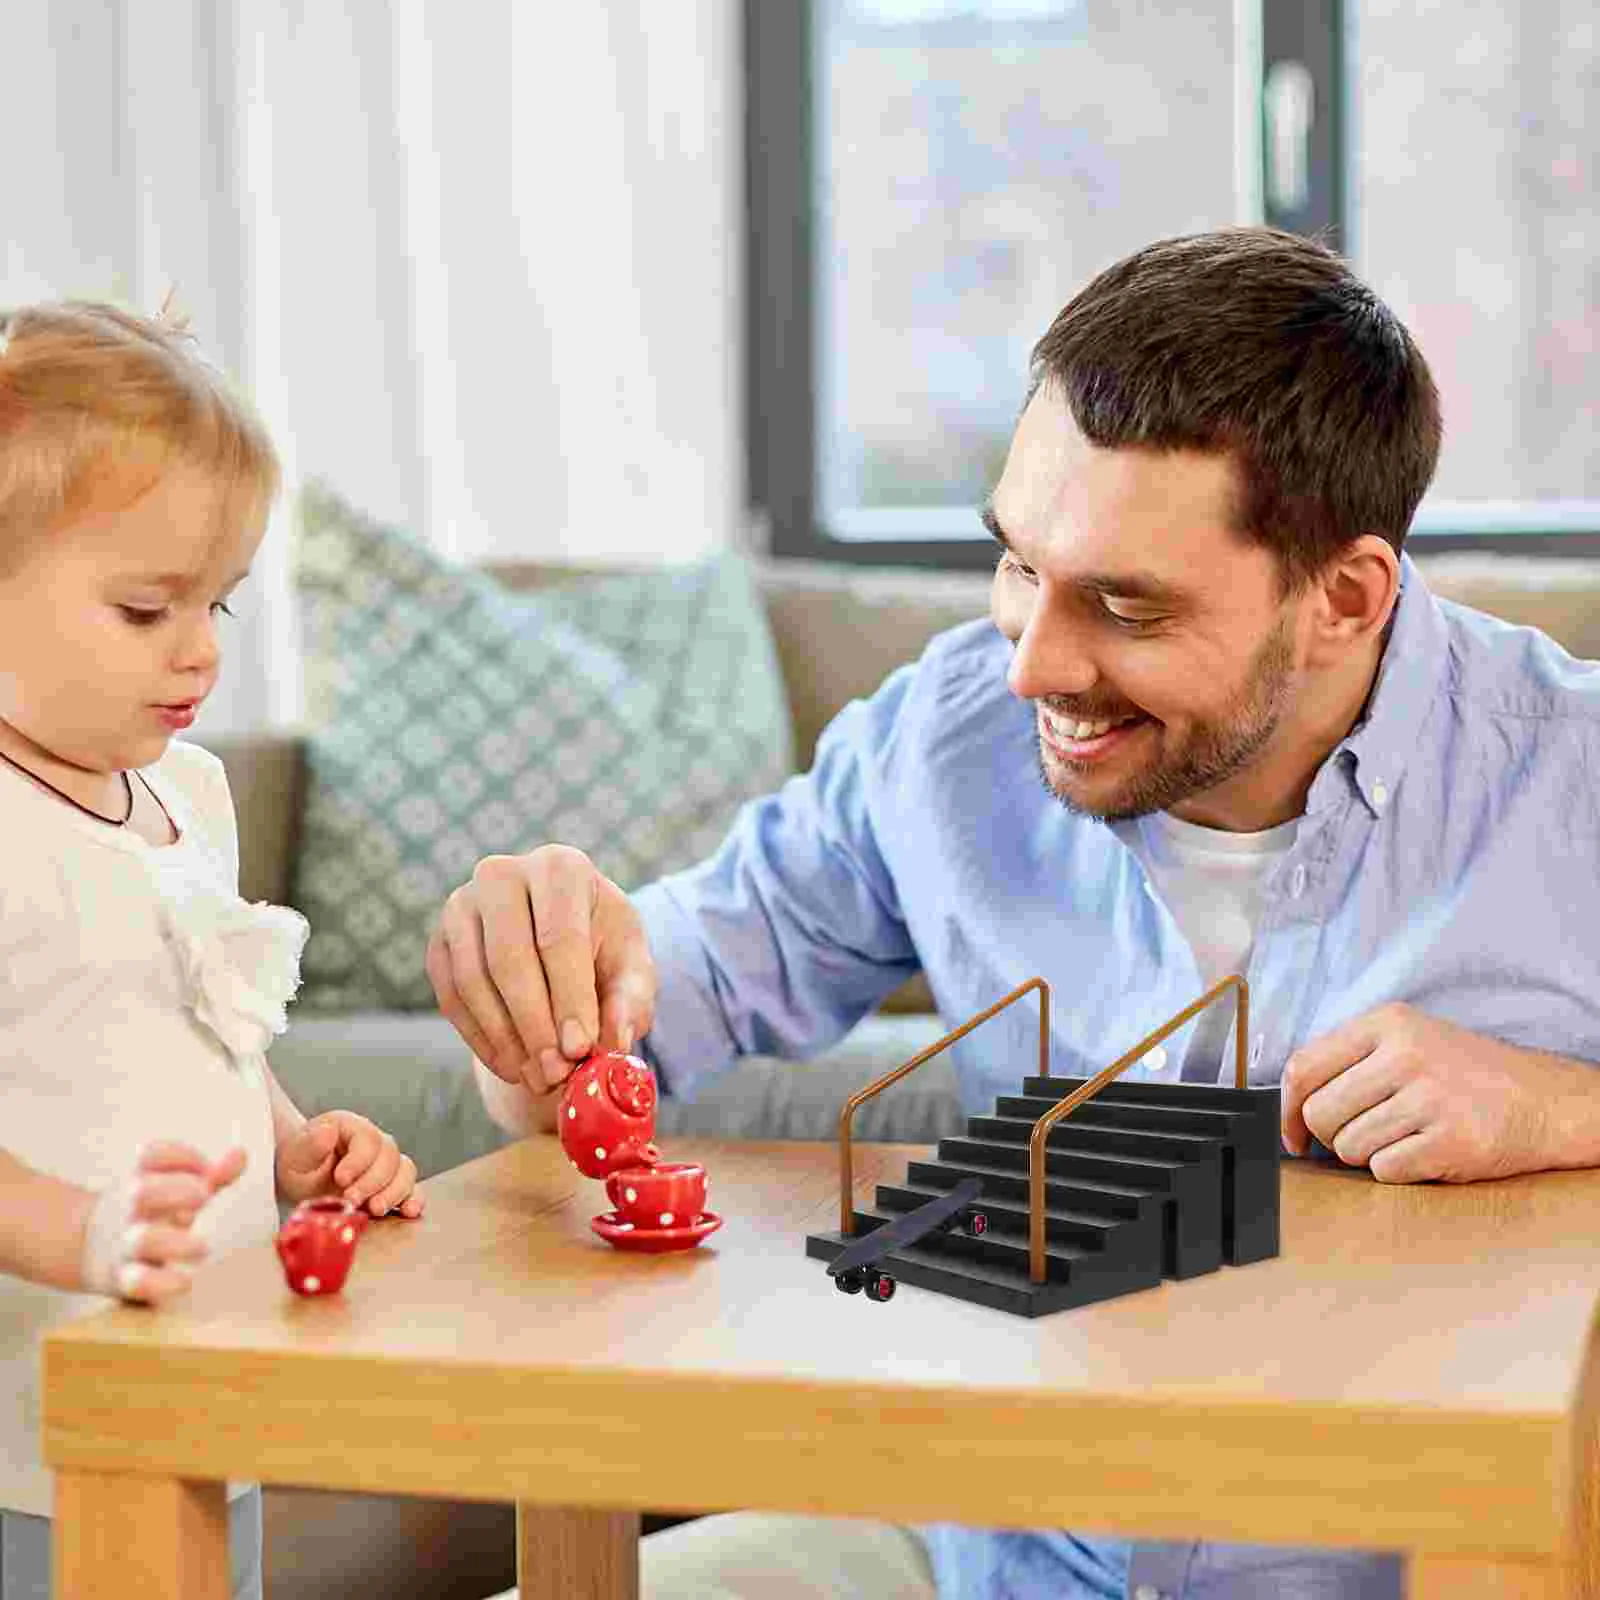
x=141, y=1129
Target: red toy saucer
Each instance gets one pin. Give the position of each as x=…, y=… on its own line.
x=651, y=1241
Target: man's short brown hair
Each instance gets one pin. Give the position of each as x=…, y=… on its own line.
x=1266, y=346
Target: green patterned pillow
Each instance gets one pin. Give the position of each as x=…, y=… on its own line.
x=450, y=718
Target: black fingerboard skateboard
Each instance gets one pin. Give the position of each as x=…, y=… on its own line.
x=857, y=1268
x=1130, y=1184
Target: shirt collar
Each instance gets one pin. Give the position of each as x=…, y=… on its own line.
x=1376, y=751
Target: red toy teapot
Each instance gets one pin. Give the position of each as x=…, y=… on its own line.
x=608, y=1115
x=607, y=1119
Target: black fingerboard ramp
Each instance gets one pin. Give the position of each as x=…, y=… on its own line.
x=1142, y=1182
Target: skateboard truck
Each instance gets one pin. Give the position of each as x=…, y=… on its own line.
x=855, y=1268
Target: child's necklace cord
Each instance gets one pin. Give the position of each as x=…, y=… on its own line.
x=112, y=822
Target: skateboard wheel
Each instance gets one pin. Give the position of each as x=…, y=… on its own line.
x=978, y=1223
x=881, y=1287
x=848, y=1282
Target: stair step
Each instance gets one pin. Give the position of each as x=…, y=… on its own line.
x=1132, y=1241
x=1250, y=1156
x=1075, y=1278
x=1259, y=1099
x=1076, y=1227
x=1115, y=1173
x=1061, y=1255
x=1254, y=1114
x=1146, y=1116
x=1072, y=1135
x=1102, y=1199
x=1188, y=1192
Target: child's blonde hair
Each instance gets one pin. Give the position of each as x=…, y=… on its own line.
x=96, y=403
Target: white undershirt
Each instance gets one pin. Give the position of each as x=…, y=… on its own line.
x=1213, y=883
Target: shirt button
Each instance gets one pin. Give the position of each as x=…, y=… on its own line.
x=1380, y=794
x=1147, y=1591
x=1297, y=881
x=1157, y=1058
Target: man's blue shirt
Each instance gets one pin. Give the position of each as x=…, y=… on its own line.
x=1449, y=857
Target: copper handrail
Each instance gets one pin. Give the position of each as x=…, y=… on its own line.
x=1041, y=1129
x=861, y=1096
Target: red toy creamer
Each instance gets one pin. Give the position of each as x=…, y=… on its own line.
x=317, y=1244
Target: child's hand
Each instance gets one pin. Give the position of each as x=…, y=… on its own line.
x=339, y=1153
x=139, y=1244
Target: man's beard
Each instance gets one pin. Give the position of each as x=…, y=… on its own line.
x=1215, y=749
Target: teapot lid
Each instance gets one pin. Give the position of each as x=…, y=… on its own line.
x=631, y=1085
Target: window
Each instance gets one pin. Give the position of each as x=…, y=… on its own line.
x=930, y=181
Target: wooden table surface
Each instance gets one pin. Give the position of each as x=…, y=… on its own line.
x=1415, y=1371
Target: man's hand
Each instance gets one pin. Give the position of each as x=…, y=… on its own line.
x=539, y=960
x=339, y=1153
x=1414, y=1098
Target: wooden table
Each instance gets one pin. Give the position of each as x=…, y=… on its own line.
x=1416, y=1371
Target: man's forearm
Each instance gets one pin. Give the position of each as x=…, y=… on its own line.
x=512, y=1106
x=1573, y=1119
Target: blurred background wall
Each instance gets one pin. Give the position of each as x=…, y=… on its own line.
x=621, y=281
x=478, y=264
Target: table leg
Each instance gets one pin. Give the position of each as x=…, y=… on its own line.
x=1449, y=1578
x=564, y=1553
x=117, y=1535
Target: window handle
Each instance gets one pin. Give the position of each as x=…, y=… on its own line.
x=1289, y=100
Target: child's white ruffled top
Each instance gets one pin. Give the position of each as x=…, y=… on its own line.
x=138, y=994
x=241, y=967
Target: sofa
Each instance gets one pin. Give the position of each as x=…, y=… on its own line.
x=838, y=631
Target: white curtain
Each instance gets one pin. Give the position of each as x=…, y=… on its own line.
x=478, y=264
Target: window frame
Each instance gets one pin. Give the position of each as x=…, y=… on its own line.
x=780, y=376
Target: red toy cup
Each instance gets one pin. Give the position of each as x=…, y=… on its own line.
x=607, y=1117
x=318, y=1243
x=671, y=1194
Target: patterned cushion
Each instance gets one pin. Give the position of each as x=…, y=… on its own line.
x=449, y=718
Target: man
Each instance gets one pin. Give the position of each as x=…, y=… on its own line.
x=1265, y=748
